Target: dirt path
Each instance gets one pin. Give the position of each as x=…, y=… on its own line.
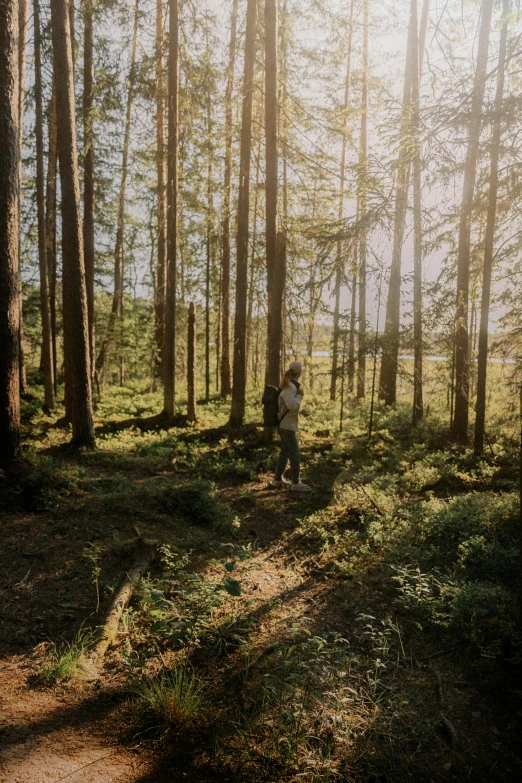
x=48, y=736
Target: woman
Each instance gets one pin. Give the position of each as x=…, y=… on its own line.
x=290, y=398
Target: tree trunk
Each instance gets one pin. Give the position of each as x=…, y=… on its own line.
x=226, y=387
x=47, y=346
x=169, y=348
x=9, y=234
x=489, y=241
x=191, y=364
x=274, y=291
x=418, y=410
x=461, y=413
x=339, y=261
x=75, y=319
x=22, y=32
x=239, y=371
x=50, y=222
x=162, y=207
x=210, y=207
x=88, y=166
x=116, y=314
x=362, y=198
x=253, y=264
x=390, y=338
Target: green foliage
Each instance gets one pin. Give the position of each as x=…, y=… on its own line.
x=170, y=703
x=62, y=659
x=197, y=503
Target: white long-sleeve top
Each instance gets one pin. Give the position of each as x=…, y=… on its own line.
x=289, y=404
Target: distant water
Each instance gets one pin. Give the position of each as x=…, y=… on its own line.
x=491, y=360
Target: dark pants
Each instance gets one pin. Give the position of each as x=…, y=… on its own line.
x=289, y=451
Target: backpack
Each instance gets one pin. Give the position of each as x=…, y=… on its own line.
x=270, y=402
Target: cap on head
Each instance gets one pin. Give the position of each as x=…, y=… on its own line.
x=296, y=367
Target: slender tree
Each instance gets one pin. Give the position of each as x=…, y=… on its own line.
x=22, y=38
x=339, y=261
x=461, y=412
x=418, y=410
x=226, y=386
x=9, y=234
x=116, y=315
x=275, y=282
x=362, y=202
x=239, y=368
x=490, y=240
x=191, y=364
x=209, y=238
x=88, y=165
x=390, y=340
x=50, y=220
x=75, y=319
x=47, y=344
x=161, y=268
x=169, y=347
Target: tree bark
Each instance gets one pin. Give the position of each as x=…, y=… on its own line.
x=362, y=198
x=50, y=222
x=9, y=234
x=210, y=207
x=88, y=166
x=239, y=369
x=169, y=348
x=275, y=292
x=226, y=386
x=191, y=364
x=116, y=314
x=47, y=346
x=161, y=269
x=75, y=319
x=461, y=412
x=339, y=261
x=489, y=241
x=418, y=410
x=22, y=32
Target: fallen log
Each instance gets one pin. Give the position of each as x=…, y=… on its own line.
x=106, y=634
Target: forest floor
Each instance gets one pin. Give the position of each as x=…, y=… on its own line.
x=363, y=632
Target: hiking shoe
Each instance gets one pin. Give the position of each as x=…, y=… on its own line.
x=300, y=487
x=276, y=483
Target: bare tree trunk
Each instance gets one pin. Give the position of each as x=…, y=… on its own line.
x=239, y=371
x=362, y=198
x=226, y=386
x=339, y=261
x=390, y=338
x=88, y=166
x=489, y=241
x=275, y=292
x=22, y=32
x=47, y=347
x=169, y=348
x=50, y=222
x=116, y=314
x=351, y=336
x=161, y=270
x=461, y=413
x=418, y=410
x=210, y=206
x=9, y=233
x=191, y=364
x=253, y=265
x=75, y=319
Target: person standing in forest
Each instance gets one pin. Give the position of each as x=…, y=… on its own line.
x=290, y=398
